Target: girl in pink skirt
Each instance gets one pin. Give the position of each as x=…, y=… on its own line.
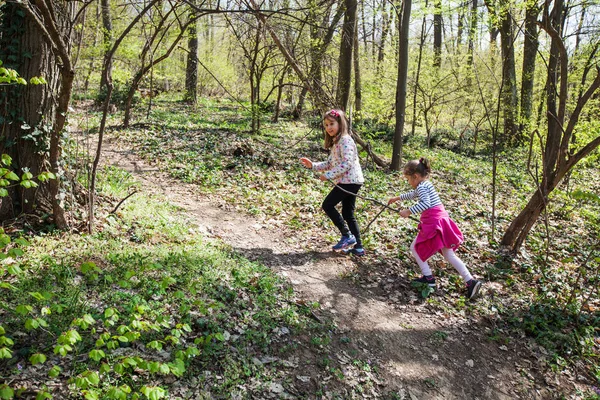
x=437, y=232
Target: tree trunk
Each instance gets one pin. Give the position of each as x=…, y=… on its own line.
x=318, y=46
x=191, y=71
x=472, y=33
x=31, y=113
x=401, y=85
x=509, y=77
x=107, y=32
x=501, y=13
x=437, y=33
x=519, y=228
x=418, y=74
x=345, y=61
x=385, y=28
x=357, y=83
x=461, y=26
x=530, y=47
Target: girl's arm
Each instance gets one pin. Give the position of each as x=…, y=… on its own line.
x=348, y=156
x=323, y=165
x=409, y=195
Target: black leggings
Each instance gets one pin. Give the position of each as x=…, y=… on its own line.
x=348, y=204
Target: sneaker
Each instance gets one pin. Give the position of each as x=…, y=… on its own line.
x=345, y=241
x=357, y=251
x=429, y=280
x=473, y=287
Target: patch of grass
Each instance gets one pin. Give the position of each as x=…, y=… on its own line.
x=139, y=305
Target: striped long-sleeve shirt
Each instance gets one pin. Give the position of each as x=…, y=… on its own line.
x=426, y=194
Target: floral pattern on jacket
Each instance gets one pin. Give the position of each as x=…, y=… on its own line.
x=342, y=165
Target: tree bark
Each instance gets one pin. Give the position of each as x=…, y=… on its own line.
x=472, y=33
x=357, y=82
x=27, y=112
x=530, y=47
x=437, y=33
x=509, y=77
x=345, y=60
x=418, y=74
x=107, y=33
x=318, y=46
x=401, y=85
x=385, y=28
x=501, y=13
x=191, y=71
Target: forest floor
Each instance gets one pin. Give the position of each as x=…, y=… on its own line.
x=421, y=351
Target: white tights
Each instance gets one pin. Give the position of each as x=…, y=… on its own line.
x=449, y=255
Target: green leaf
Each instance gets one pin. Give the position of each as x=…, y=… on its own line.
x=6, y=159
x=37, y=358
x=90, y=395
x=104, y=368
x=177, y=367
x=97, y=355
x=73, y=336
x=5, y=353
x=28, y=184
x=153, y=393
x=37, y=296
x=119, y=369
x=109, y=312
x=12, y=176
x=3, y=192
x=31, y=324
x=116, y=393
x=15, y=252
x=6, y=393
x=155, y=344
x=90, y=267
x=164, y=369
x=63, y=350
x=93, y=378
x=192, y=352
x=154, y=366
x=54, y=371
x=23, y=309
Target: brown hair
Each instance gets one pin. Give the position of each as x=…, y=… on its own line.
x=421, y=167
x=340, y=117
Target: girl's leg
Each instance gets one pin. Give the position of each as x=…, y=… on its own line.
x=457, y=263
x=332, y=199
x=425, y=270
x=348, y=207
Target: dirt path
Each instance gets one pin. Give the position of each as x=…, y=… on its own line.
x=422, y=354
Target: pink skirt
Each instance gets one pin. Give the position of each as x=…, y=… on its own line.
x=436, y=231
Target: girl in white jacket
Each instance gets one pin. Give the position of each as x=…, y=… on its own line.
x=343, y=168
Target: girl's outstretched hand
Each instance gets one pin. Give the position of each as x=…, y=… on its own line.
x=405, y=213
x=322, y=177
x=306, y=162
x=393, y=200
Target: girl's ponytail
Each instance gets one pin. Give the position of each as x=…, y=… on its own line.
x=422, y=167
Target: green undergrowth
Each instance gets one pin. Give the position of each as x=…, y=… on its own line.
x=211, y=147
x=147, y=308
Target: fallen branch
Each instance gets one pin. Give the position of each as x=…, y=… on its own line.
x=121, y=202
